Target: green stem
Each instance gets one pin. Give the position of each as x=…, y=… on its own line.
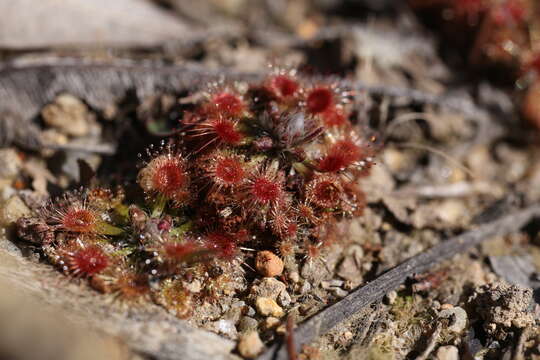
x=105, y=228
x=159, y=206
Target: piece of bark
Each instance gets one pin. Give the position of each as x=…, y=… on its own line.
x=26, y=88
x=27, y=85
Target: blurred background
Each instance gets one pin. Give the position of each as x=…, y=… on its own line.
x=470, y=67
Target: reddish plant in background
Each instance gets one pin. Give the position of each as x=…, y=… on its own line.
x=501, y=37
x=497, y=31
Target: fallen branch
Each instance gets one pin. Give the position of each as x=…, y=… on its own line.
x=374, y=291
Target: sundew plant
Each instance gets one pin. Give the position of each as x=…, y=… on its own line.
x=272, y=165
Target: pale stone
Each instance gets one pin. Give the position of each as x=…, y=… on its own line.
x=250, y=345
x=271, y=322
x=268, y=287
x=67, y=114
x=447, y=353
x=247, y=323
x=10, y=164
x=11, y=210
x=457, y=316
x=268, y=307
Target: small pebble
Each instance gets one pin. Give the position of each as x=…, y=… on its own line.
x=349, y=285
x=457, y=316
x=331, y=284
x=339, y=292
x=268, y=264
x=306, y=286
x=52, y=136
x=271, y=322
x=284, y=299
x=10, y=163
x=193, y=286
x=6, y=191
x=281, y=330
x=227, y=328
x=395, y=160
x=268, y=307
x=268, y=287
x=67, y=114
x=247, y=323
x=294, y=277
x=250, y=345
x=447, y=353
x=250, y=311
x=450, y=211
x=11, y=210
x=446, y=306
x=391, y=297
x=234, y=314
x=476, y=274
x=239, y=304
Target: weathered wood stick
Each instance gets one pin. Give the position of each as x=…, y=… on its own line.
x=26, y=87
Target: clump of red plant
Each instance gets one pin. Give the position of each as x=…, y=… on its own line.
x=273, y=162
x=495, y=32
